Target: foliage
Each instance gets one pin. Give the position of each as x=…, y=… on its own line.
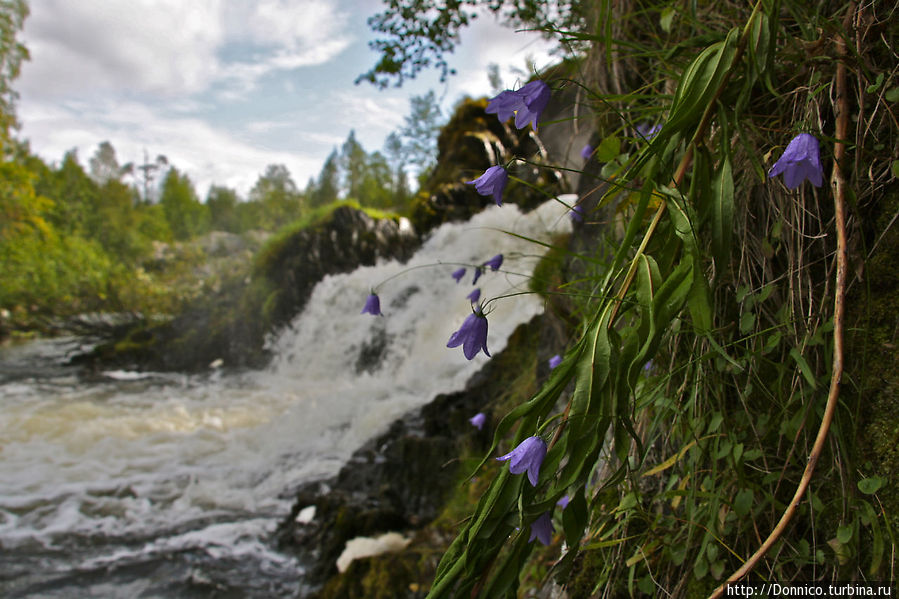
x=417, y=33
x=12, y=52
x=185, y=214
x=277, y=196
x=682, y=417
x=104, y=165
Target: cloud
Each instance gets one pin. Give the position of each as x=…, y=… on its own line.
x=173, y=48
x=166, y=47
x=208, y=155
x=486, y=42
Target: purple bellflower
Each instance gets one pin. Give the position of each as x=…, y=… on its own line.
x=495, y=262
x=472, y=335
x=458, y=274
x=801, y=160
x=527, y=456
x=577, y=214
x=477, y=275
x=474, y=296
x=527, y=104
x=555, y=361
x=647, y=132
x=492, y=182
x=563, y=502
x=372, y=305
x=535, y=96
x=542, y=529
x=504, y=105
x=478, y=420
x=586, y=152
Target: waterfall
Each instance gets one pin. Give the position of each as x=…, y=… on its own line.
x=359, y=372
x=108, y=488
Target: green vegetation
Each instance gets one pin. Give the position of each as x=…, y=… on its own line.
x=129, y=237
x=706, y=422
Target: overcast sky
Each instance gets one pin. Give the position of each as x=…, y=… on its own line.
x=225, y=87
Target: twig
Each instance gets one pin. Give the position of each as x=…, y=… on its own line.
x=838, y=185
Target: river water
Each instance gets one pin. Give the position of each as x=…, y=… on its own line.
x=165, y=485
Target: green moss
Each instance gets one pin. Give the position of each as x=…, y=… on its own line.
x=547, y=277
x=873, y=315
x=386, y=576
x=278, y=243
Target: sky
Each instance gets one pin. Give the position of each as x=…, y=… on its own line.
x=224, y=88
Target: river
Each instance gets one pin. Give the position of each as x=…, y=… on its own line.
x=142, y=484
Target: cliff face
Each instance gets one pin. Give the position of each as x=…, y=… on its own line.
x=230, y=326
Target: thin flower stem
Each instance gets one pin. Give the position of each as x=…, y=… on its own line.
x=838, y=184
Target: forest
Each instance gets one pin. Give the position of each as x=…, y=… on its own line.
x=97, y=236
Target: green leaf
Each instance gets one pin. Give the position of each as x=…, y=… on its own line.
x=747, y=322
x=895, y=166
x=804, y=368
x=723, y=213
x=629, y=501
x=878, y=545
x=699, y=84
x=876, y=85
x=608, y=149
x=574, y=519
x=743, y=502
x=892, y=95
x=870, y=485
x=844, y=534
x=700, y=568
x=666, y=18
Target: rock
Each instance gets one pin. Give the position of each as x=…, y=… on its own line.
x=390, y=542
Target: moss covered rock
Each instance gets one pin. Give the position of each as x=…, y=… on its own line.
x=231, y=324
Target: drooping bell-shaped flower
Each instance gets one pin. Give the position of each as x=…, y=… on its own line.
x=542, y=529
x=372, y=305
x=472, y=335
x=563, y=503
x=527, y=104
x=577, y=214
x=587, y=151
x=492, y=182
x=504, y=105
x=495, y=262
x=474, y=296
x=528, y=456
x=478, y=420
x=647, y=132
x=458, y=274
x=801, y=160
x=535, y=96
x=555, y=361
x=477, y=275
